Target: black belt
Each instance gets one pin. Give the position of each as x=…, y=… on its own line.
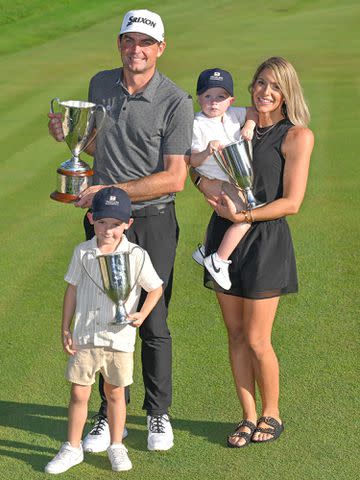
x=151, y=210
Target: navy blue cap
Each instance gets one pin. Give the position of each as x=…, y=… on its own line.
x=111, y=202
x=215, y=77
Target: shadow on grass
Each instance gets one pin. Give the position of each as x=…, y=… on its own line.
x=51, y=421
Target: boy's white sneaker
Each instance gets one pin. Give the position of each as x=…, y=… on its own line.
x=98, y=439
x=67, y=457
x=218, y=269
x=199, y=254
x=119, y=459
x=160, y=433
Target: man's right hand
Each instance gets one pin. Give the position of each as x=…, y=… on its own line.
x=55, y=126
x=86, y=196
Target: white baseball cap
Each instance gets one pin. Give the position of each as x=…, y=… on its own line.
x=143, y=21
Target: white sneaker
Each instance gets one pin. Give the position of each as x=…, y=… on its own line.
x=67, y=457
x=119, y=459
x=98, y=439
x=219, y=270
x=199, y=254
x=160, y=436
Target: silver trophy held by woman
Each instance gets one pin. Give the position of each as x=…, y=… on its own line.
x=116, y=279
x=78, y=120
x=235, y=160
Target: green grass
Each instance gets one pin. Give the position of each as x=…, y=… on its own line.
x=51, y=49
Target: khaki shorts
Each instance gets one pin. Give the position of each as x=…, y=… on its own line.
x=116, y=367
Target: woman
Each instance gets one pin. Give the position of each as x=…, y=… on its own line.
x=263, y=265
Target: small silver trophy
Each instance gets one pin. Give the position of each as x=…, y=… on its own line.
x=235, y=160
x=74, y=175
x=115, y=275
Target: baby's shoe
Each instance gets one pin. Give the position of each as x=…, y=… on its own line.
x=199, y=254
x=219, y=270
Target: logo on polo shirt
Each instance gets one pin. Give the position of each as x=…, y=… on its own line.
x=145, y=20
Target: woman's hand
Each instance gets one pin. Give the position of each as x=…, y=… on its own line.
x=224, y=207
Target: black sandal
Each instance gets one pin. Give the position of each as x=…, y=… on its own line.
x=275, y=429
x=246, y=435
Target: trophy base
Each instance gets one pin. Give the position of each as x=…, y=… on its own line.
x=70, y=183
x=63, y=197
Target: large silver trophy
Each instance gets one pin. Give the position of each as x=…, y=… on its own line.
x=235, y=160
x=78, y=119
x=116, y=279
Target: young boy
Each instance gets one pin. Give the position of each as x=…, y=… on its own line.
x=217, y=125
x=96, y=344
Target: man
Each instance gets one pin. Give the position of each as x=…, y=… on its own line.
x=143, y=148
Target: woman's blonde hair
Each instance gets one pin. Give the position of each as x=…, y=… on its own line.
x=295, y=107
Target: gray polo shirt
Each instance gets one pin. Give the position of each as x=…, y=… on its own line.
x=139, y=129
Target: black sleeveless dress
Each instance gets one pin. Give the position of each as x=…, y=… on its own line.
x=263, y=264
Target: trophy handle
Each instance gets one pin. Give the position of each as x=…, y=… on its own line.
x=222, y=163
x=250, y=149
x=57, y=100
x=87, y=272
x=140, y=270
x=92, y=138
